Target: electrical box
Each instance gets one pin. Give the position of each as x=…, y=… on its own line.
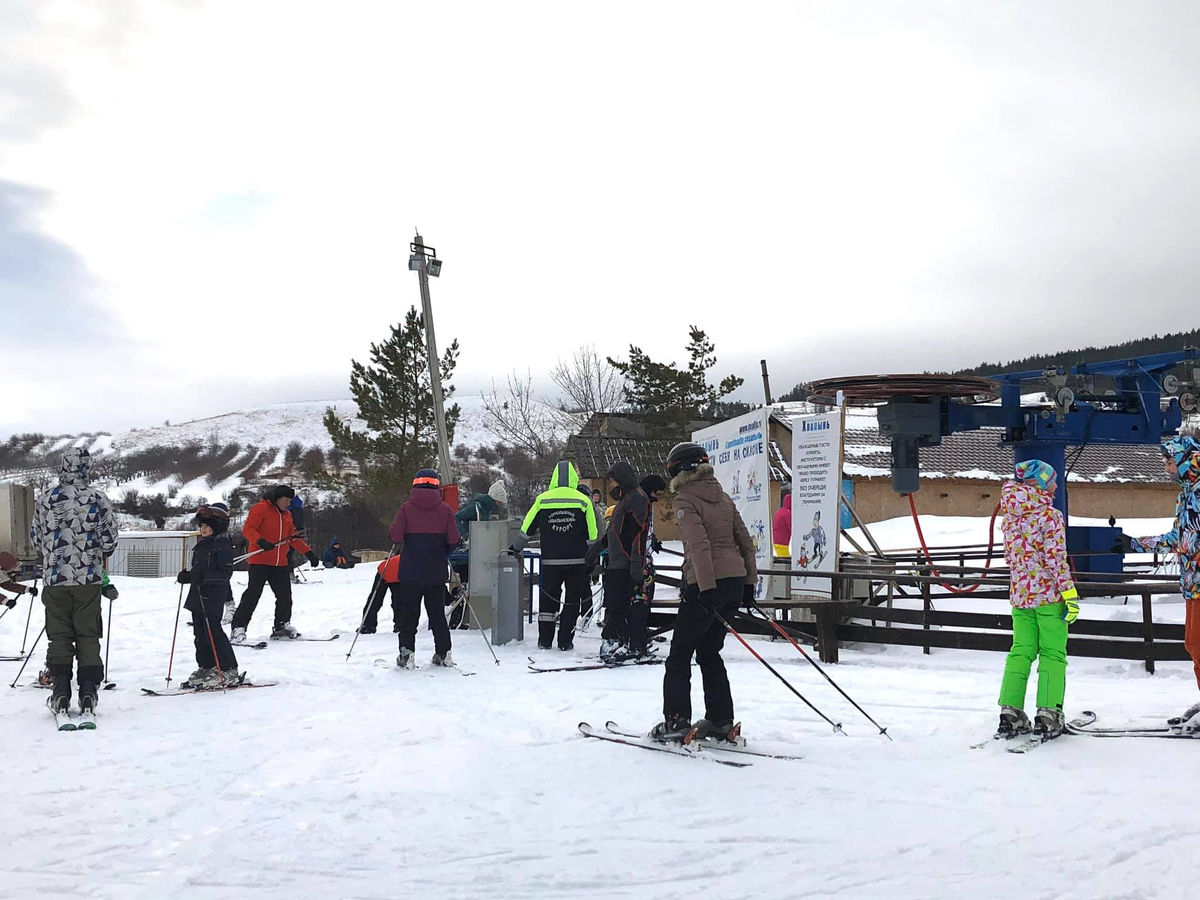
x=1090, y=549
x=16, y=518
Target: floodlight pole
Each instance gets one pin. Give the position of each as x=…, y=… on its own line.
x=435, y=369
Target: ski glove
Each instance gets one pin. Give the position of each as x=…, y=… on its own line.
x=312, y=558
x=110, y=592
x=1071, y=602
x=1124, y=544
x=264, y=544
x=10, y=602
x=707, y=600
x=184, y=577
x=655, y=543
x=32, y=592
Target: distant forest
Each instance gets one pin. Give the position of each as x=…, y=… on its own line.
x=1145, y=346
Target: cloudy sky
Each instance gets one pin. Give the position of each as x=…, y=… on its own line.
x=207, y=205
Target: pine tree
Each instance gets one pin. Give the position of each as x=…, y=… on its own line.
x=395, y=401
x=664, y=397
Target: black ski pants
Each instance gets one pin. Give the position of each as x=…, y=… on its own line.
x=625, y=614
x=278, y=577
x=406, y=607
x=204, y=646
x=370, y=621
x=698, y=631
x=572, y=585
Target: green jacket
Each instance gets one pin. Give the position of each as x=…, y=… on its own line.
x=565, y=519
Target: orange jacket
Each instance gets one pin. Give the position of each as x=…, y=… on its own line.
x=267, y=521
x=389, y=569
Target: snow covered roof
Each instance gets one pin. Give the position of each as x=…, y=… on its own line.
x=979, y=455
x=595, y=454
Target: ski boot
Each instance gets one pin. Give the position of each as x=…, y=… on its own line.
x=443, y=660
x=545, y=645
x=366, y=629
x=232, y=677
x=674, y=729
x=1048, y=723
x=406, y=659
x=623, y=653
x=45, y=678
x=726, y=731
x=238, y=636
x=607, y=649
x=284, y=632
x=202, y=677
x=568, y=644
x=1013, y=722
x=1190, y=717
x=227, y=616
x=59, y=700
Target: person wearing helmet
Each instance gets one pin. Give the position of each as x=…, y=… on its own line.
x=719, y=573
x=626, y=610
x=566, y=521
x=9, y=567
x=212, y=568
x=1181, y=460
x=1043, y=599
x=426, y=532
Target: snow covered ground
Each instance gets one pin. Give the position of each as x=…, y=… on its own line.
x=354, y=780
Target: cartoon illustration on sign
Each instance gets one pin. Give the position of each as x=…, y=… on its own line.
x=802, y=561
x=736, y=488
x=752, y=488
x=817, y=536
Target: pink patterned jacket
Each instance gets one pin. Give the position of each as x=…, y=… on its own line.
x=1035, y=546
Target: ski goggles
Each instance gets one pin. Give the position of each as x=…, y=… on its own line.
x=211, y=512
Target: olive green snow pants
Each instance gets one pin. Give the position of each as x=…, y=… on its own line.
x=1041, y=633
x=73, y=624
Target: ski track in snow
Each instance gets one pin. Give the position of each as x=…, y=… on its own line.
x=355, y=781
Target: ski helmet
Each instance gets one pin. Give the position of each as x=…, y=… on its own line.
x=685, y=457
x=427, y=478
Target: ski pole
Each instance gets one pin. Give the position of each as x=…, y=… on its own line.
x=370, y=601
x=5, y=613
x=837, y=726
x=481, y=634
x=211, y=642
x=108, y=644
x=29, y=657
x=174, y=635
x=816, y=666
x=29, y=616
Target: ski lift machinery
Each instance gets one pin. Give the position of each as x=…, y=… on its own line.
x=1124, y=401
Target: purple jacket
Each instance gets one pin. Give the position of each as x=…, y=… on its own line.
x=424, y=528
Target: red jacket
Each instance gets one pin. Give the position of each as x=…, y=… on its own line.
x=781, y=525
x=266, y=520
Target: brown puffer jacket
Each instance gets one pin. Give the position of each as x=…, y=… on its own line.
x=716, y=543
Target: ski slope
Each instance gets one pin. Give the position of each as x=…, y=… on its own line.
x=352, y=780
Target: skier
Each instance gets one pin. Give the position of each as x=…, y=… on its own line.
x=566, y=522
x=9, y=567
x=626, y=610
x=385, y=576
x=212, y=567
x=481, y=509
x=269, y=529
x=425, y=529
x=652, y=485
x=76, y=531
x=1043, y=598
x=1181, y=460
x=719, y=574
x=781, y=527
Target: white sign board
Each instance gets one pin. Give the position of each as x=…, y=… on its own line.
x=816, y=495
x=738, y=452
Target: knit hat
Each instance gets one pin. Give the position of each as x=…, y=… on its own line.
x=427, y=478
x=1042, y=473
x=498, y=492
x=280, y=491
x=297, y=503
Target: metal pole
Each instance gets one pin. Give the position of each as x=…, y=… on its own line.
x=435, y=370
x=766, y=383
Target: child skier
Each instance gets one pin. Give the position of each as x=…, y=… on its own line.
x=1181, y=459
x=1043, y=597
x=9, y=567
x=212, y=567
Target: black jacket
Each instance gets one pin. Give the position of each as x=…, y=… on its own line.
x=212, y=567
x=628, y=531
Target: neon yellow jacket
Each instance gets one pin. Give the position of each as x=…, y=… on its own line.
x=564, y=517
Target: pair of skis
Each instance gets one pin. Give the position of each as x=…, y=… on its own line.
x=215, y=689
x=1025, y=742
x=1158, y=731
x=703, y=748
x=588, y=665
x=66, y=721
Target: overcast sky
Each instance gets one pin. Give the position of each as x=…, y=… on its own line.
x=206, y=206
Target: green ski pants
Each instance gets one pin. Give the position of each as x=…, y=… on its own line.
x=1037, y=633
x=73, y=625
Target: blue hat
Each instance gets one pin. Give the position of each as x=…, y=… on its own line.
x=427, y=478
x=297, y=503
x=1036, y=470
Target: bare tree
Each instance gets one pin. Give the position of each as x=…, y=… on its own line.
x=589, y=383
x=519, y=418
